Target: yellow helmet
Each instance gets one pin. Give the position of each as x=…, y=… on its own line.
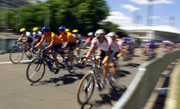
x=67, y=29
x=35, y=29
x=75, y=31
x=22, y=30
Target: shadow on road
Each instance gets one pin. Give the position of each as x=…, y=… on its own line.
x=132, y=65
x=66, y=79
x=114, y=94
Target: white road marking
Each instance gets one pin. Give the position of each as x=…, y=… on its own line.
x=9, y=62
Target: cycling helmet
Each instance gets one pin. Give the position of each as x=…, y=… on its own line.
x=90, y=34
x=111, y=35
x=100, y=33
x=166, y=41
x=62, y=28
x=75, y=31
x=22, y=30
x=45, y=28
x=67, y=29
x=152, y=41
x=126, y=38
x=35, y=29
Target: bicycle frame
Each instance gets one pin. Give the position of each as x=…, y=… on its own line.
x=95, y=70
x=44, y=57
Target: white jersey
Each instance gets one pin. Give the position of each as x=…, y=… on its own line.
x=37, y=34
x=28, y=35
x=115, y=45
x=103, y=46
x=77, y=36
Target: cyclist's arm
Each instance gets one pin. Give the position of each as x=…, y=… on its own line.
x=20, y=38
x=126, y=48
x=24, y=41
x=40, y=43
x=65, y=44
x=87, y=41
x=50, y=44
x=91, y=49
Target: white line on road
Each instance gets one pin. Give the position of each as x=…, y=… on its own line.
x=9, y=62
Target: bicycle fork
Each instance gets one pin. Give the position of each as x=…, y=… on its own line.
x=39, y=65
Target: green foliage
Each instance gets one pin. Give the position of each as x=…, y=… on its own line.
x=84, y=15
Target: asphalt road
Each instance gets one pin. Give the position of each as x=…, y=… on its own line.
x=58, y=91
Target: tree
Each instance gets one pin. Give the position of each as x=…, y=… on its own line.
x=84, y=15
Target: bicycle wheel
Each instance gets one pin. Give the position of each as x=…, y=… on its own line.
x=35, y=70
x=85, y=88
x=16, y=55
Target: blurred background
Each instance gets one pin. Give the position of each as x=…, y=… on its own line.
x=142, y=19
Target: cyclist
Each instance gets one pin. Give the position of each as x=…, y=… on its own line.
x=90, y=37
x=55, y=44
x=37, y=35
x=26, y=37
x=166, y=46
x=128, y=45
x=115, y=47
x=100, y=42
x=70, y=42
x=78, y=40
x=150, y=49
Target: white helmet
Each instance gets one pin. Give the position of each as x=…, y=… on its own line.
x=100, y=33
x=111, y=34
x=90, y=34
x=166, y=41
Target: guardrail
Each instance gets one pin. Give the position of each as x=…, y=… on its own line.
x=144, y=82
x=6, y=44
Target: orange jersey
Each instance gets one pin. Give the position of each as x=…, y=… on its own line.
x=50, y=37
x=68, y=37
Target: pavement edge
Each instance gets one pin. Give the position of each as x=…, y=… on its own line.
x=171, y=100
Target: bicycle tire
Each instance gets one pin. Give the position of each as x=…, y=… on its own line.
x=30, y=76
x=16, y=52
x=90, y=81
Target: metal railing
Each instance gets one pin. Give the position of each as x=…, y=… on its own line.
x=144, y=82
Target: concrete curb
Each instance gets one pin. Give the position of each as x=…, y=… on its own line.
x=171, y=100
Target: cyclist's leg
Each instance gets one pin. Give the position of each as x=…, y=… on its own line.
x=55, y=59
x=105, y=65
x=105, y=71
x=62, y=54
x=113, y=63
x=56, y=49
x=78, y=48
x=78, y=51
x=70, y=54
x=113, y=69
x=71, y=47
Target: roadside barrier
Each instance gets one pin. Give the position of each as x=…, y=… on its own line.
x=6, y=44
x=145, y=81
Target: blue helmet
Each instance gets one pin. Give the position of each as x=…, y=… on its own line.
x=45, y=28
x=62, y=28
x=127, y=38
